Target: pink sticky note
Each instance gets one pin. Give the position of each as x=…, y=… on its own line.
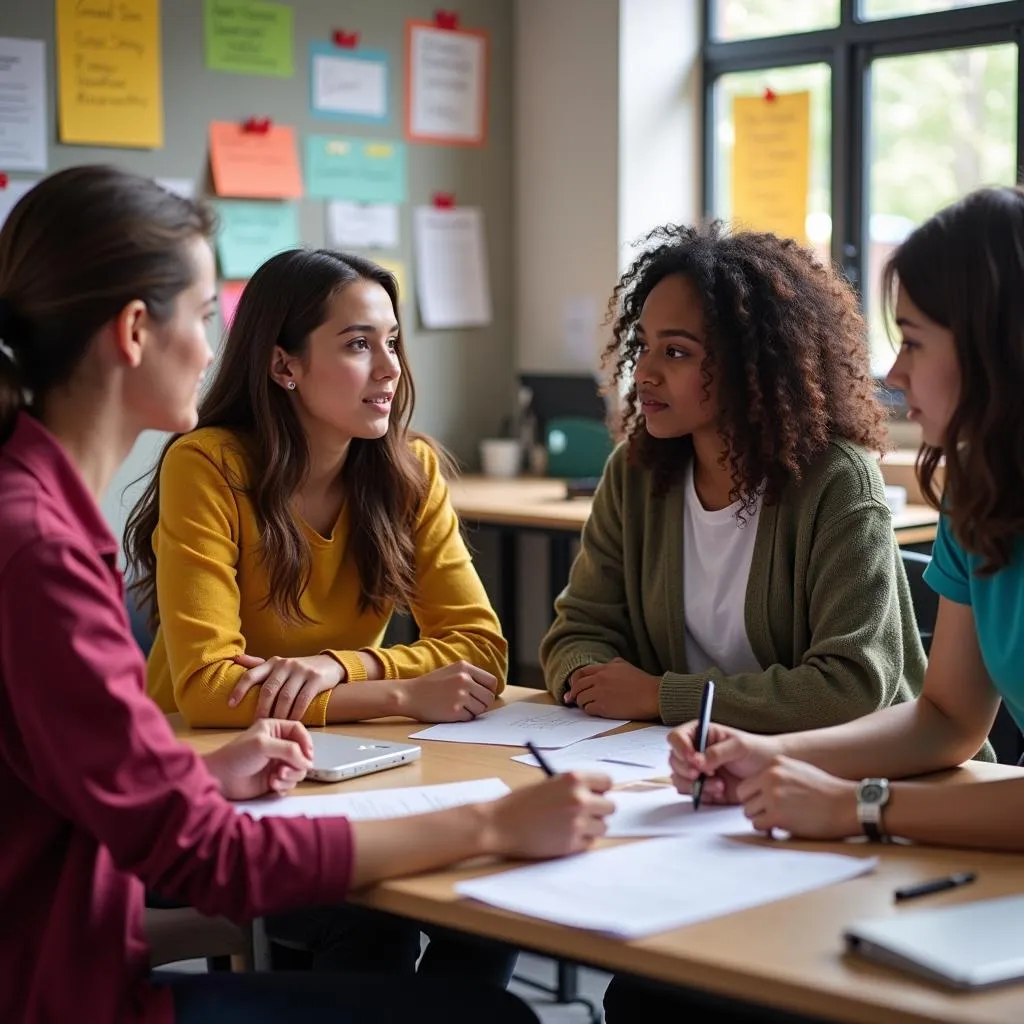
x=230, y=293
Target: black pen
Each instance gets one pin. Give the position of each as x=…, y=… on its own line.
x=703, y=724
x=548, y=770
x=910, y=892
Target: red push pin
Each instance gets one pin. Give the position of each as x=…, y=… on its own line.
x=444, y=200
x=446, y=19
x=346, y=40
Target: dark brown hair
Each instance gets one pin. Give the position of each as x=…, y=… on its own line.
x=282, y=304
x=784, y=343
x=75, y=250
x=964, y=269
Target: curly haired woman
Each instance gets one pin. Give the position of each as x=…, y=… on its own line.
x=740, y=532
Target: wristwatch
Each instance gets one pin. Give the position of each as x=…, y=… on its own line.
x=872, y=796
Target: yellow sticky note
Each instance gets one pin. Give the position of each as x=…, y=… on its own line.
x=109, y=68
x=396, y=267
x=771, y=163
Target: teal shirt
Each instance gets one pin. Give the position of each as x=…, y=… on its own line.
x=998, y=605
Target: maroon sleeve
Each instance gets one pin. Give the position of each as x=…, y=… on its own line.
x=89, y=741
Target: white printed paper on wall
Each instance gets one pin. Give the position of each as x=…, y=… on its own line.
x=451, y=267
x=362, y=225
x=22, y=105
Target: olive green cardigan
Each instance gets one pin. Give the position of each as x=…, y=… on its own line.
x=828, y=609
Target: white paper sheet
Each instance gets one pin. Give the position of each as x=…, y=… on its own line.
x=377, y=803
x=349, y=86
x=184, y=187
x=22, y=105
x=452, y=282
x=447, y=82
x=546, y=725
x=362, y=225
x=564, y=761
x=10, y=195
x=649, y=887
x=661, y=811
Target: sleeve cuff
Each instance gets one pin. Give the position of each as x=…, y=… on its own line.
x=355, y=670
x=679, y=697
x=945, y=585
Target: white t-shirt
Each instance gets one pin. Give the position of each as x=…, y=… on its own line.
x=717, y=551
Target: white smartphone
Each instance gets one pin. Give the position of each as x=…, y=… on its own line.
x=337, y=757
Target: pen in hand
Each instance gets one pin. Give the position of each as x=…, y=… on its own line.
x=910, y=892
x=703, y=724
x=539, y=758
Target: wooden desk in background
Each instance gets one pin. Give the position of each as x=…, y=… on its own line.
x=787, y=955
x=539, y=505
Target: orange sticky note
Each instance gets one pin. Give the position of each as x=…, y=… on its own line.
x=230, y=294
x=254, y=165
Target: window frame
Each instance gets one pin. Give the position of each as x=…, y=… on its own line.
x=848, y=49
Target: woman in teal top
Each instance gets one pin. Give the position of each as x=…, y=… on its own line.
x=956, y=286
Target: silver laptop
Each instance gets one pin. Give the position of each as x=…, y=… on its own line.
x=337, y=757
x=968, y=946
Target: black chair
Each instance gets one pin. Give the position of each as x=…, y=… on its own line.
x=1005, y=737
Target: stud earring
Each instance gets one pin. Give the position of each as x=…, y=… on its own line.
x=291, y=385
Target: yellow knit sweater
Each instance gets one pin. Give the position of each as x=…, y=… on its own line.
x=212, y=589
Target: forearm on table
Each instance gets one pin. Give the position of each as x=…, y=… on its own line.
x=405, y=846
x=905, y=739
x=986, y=815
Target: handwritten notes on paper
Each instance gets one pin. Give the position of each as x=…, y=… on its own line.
x=446, y=74
x=451, y=268
x=771, y=163
x=108, y=56
x=547, y=726
x=252, y=232
x=249, y=37
x=22, y=105
x=348, y=85
x=254, y=165
x=361, y=170
x=447, y=85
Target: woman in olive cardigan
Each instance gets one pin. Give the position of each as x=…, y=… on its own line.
x=740, y=532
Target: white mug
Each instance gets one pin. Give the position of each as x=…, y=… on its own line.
x=501, y=456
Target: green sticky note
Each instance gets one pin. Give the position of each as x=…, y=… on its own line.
x=250, y=233
x=249, y=37
x=360, y=170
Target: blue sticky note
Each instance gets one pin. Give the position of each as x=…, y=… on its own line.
x=349, y=85
x=250, y=233
x=360, y=170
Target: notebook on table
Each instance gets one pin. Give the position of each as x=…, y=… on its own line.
x=968, y=946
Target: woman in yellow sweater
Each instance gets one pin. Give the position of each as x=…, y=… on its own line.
x=278, y=537
x=275, y=541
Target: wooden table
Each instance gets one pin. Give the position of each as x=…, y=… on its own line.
x=539, y=505
x=787, y=955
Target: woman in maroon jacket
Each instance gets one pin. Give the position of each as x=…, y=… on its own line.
x=105, y=283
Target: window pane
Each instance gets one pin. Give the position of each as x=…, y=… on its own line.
x=942, y=124
x=753, y=19
x=900, y=8
x=817, y=78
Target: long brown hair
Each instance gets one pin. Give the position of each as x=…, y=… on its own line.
x=784, y=342
x=964, y=269
x=75, y=250
x=384, y=483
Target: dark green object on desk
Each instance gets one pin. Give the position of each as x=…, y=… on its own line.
x=577, y=446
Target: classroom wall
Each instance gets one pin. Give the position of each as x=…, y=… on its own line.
x=463, y=378
x=607, y=145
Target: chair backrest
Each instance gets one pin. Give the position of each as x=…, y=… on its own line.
x=925, y=600
x=1005, y=737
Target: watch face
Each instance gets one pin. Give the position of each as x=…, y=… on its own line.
x=871, y=793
